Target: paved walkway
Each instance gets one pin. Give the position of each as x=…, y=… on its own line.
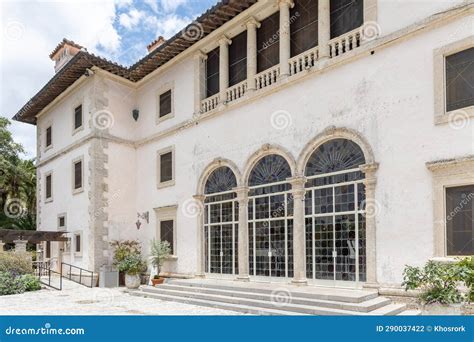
x=75, y=299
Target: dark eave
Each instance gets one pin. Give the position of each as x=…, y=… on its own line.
x=211, y=20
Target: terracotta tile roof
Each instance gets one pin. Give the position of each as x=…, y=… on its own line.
x=202, y=26
x=60, y=45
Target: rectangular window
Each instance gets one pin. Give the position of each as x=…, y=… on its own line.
x=238, y=59
x=49, y=136
x=167, y=232
x=48, y=249
x=460, y=80
x=49, y=186
x=166, y=167
x=78, y=117
x=460, y=220
x=77, y=243
x=77, y=175
x=268, y=43
x=165, y=103
x=62, y=222
x=303, y=26
x=212, y=72
x=345, y=16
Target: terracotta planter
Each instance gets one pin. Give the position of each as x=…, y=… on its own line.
x=158, y=281
x=132, y=281
x=437, y=309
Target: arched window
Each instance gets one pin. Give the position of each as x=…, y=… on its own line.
x=335, y=213
x=270, y=217
x=221, y=216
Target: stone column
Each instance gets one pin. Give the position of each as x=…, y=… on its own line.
x=285, y=46
x=2, y=245
x=243, y=239
x=299, y=244
x=324, y=28
x=224, y=43
x=371, y=208
x=201, y=267
x=199, y=80
x=20, y=246
x=252, y=26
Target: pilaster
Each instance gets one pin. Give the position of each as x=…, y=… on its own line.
x=200, y=237
x=243, y=236
x=285, y=46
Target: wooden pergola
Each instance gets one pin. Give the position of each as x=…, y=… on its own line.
x=32, y=236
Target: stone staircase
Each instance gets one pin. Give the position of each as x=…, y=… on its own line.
x=274, y=299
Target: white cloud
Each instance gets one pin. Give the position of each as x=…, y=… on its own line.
x=171, y=5
x=31, y=30
x=131, y=19
x=168, y=25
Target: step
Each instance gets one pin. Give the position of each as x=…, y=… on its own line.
x=331, y=294
x=217, y=305
x=223, y=301
x=206, y=293
x=410, y=313
x=391, y=309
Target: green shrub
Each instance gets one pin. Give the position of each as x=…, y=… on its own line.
x=30, y=282
x=159, y=252
x=122, y=249
x=437, y=282
x=467, y=273
x=132, y=264
x=10, y=284
x=15, y=263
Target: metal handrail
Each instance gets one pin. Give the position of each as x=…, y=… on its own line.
x=81, y=270
x=43, y=270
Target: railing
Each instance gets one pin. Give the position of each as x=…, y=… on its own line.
x=47, y=276
x=210, y=103
x=346, y=42
x=267, y=77
x=303, y=61
x=236, y=91
x=78, y=275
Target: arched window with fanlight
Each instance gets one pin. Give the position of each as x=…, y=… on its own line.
x=335, y=214
x=270, y=218
x=221, y=216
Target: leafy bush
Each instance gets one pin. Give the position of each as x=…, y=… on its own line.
x=467, y=273
x=30, y=282
x=437, y=281
x=132, y=264
x=10, y=284
x=15, y=263
x=159, y=251
x=122, y=249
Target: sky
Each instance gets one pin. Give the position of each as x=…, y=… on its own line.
x=118, y=30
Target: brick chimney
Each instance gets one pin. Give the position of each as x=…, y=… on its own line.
x=156, y=43
x=64, y=52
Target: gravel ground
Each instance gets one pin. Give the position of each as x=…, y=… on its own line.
x=79, y=300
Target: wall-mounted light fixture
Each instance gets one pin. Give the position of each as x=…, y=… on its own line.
x=144, y=216
x=135, y=114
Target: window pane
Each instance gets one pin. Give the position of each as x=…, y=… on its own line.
x=459, y=220
x=48, y=186
x=165, y=103
x=78, y=175
x=62, y=221
x=346, y=15
x=49, y=136
x=166, y=169
x=460, y=80
x=238, y=59
x=78, y=117
x=212, y=72
x=78, y=243
x=304, y=26
x=268, y=43
x=166, y=232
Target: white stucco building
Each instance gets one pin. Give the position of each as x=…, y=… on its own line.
x=316, y=142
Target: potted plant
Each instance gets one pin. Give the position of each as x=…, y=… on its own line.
x=439, y=285
x=159, y=252
x=122, y=249
x=132, y=265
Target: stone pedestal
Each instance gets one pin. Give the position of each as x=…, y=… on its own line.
x=20, y=246
x=2, y=246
